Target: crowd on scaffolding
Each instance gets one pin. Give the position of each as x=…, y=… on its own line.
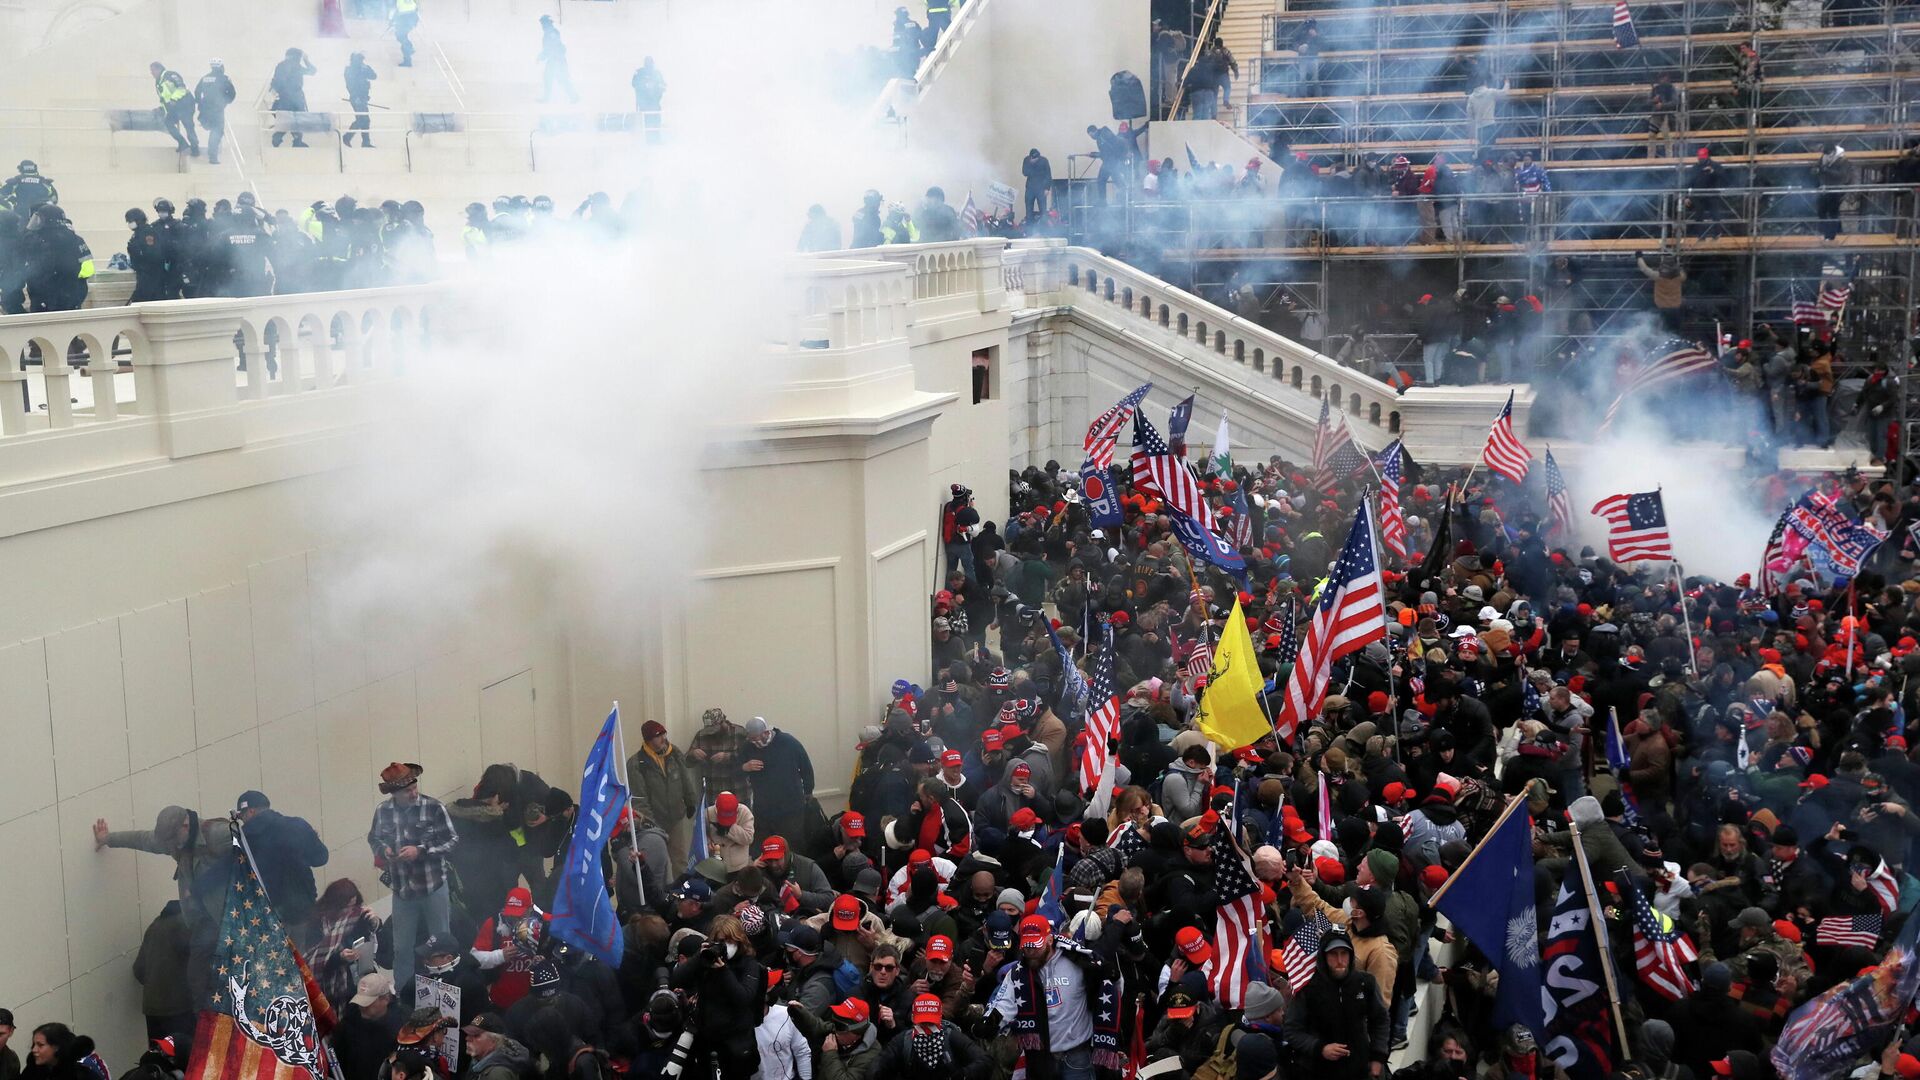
x=981, y=907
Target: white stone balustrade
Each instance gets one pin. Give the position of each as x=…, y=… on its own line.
x=105, y=387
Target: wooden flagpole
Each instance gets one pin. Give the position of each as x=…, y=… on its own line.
x=1513, y=804
x=1600, y=938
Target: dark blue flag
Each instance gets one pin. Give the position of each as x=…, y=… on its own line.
x=1177, y=422
x=1579, y=1024
x=1618, y=761
x=1490, y=898
x=1202, y=544
x=1103, y=502
x=582, y=911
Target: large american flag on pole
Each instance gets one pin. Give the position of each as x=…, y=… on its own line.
x=1661, y=950
x=1104, y=432
x=1350, y=613
x=1237, y=929
x=1636, y=527
x=1161, y=474
x=1103, y=718
x=1624, y=35
x=1674, y=359
x=1559, y=502
x=1504, y=453
x=1393, y=523
x=1334, y=456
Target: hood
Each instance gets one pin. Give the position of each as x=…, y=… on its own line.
x=1585, y=811
x=1656, y=1041
x=509, y=1054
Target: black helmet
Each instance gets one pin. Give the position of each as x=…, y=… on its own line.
x=871, y=198
x=28, y=168
x=163, y=205
x=136, y=216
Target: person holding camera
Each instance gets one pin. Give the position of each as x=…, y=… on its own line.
x=729, y=989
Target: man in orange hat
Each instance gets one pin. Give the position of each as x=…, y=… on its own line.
x=411, y=837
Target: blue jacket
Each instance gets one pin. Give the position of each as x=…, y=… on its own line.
x=285, y=851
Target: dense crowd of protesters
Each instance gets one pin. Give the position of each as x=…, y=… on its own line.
x=906, y=933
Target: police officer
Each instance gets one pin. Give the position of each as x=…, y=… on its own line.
x=214, y=92
x=360, y=77
x=406, y=16
x=290, y=89
x=866, y=222
x=474, y=236
x=26, y=191
x=176, y=107
x=247, y=246
x=939, y=17
x=197, y=262
x=172, y=242
x=59, y=263
x=13, y=265
x=148, y=254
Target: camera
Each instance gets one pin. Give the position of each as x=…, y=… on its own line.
x=713, y=951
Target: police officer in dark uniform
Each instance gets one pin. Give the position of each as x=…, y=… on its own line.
x=866, y=222
x=248, y=247
x=195, y=244
x=172, y=282
x=213, y=93
x=939, y=17
x=360, y=77
x=290, y=89
x=26, y=191
x=13, y=264
x=148, y=254
x=176, y=107
x=59, y=264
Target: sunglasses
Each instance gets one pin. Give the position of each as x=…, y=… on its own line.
x=883, y=967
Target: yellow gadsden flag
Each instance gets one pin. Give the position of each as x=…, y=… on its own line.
x=1230, y=707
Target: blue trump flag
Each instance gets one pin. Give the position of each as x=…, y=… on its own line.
x=583, y=913
x=1203, y=544
x=1490, y=898
x=697, y=851
x=1177, y=422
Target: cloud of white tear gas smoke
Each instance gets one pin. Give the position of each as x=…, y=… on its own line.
x=550, y=442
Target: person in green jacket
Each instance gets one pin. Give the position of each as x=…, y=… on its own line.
x=838, y=1037
x=160, y=968
x=663, y=784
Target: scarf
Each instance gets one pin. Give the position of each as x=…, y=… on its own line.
x=1030, y=1007
x=1108, y=1053
x=927, y=1047
x=337, y=934
x=658, y=759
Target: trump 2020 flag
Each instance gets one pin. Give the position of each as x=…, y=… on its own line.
x=1490, y=898
x=1830, y=1032
x=266, y=1015
x=582, y=911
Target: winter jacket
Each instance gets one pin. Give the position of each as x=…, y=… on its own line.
x=664, y=786
x=781, y=790
x=1183, y=792
x=161, y=965
x=784, y=1053
x=207, y=853
x=507, y=1061
x=734, y=846
x=1669, y=290
x=1349, y=1011
x=854, y=1062
x=965, y=1060
x=285, y=851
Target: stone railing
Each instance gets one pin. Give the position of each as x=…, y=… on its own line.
x=958, y=278
x=187, y=377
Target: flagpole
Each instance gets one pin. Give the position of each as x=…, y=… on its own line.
x=1853, y=622
x=1686, y=620
x=633, y=826
x=1600, y=937
x=1513, y=803
x=1386, y=628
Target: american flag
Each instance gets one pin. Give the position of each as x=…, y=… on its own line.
x=1559, y=502
x=265, y=1016
x=971, y=219
x=1289, y=640
x=1393, y=523
x=1239, y=527
x=1661, y=950
x=1195, y=658
x=1159, y=473
x=1807, y=312
x=1237, y=925
x=1773, y=559
x=1351, y=613
x=1886, y=891
x=1636, y=527
x=1505, y=454
x=1674, y=359
x=1332, y=447
x=1103, y=718
x=1859, y=931
x=1624, y=35
x=1302, y=951
x=1104, y=432
x=1833, y=299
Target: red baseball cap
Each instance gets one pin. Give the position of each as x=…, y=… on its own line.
x=854, y=824
x=926, y=1009
x=1786, y=929
x=773, y=847
x=1193, y=946
x=951, y=759
x=1394, y=791
x=1024, y=818
x=846, y=912
x=1021, y=768
x=939, y=947
x=920, y=857
x=1035, y=930
x=1330, y=871
x=726, y=809
x=518, y=901
x=991, y=739
x=852, y=1009
x=1907, y=1066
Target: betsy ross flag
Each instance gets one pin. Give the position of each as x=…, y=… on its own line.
x=1236, y=924
x=265, y=1016
x=1103, y=721
x=1302, y=951
x=1393, y=523
x=971, y=220
x=1505, y=454
x=1349, y=614
x=1624, y=35
x=1661, y=950
x=1333, y=451
x=1103, y=503
x=1636, y=527
x=1674, y=359
x=1858, y=931
x=1559, y=502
